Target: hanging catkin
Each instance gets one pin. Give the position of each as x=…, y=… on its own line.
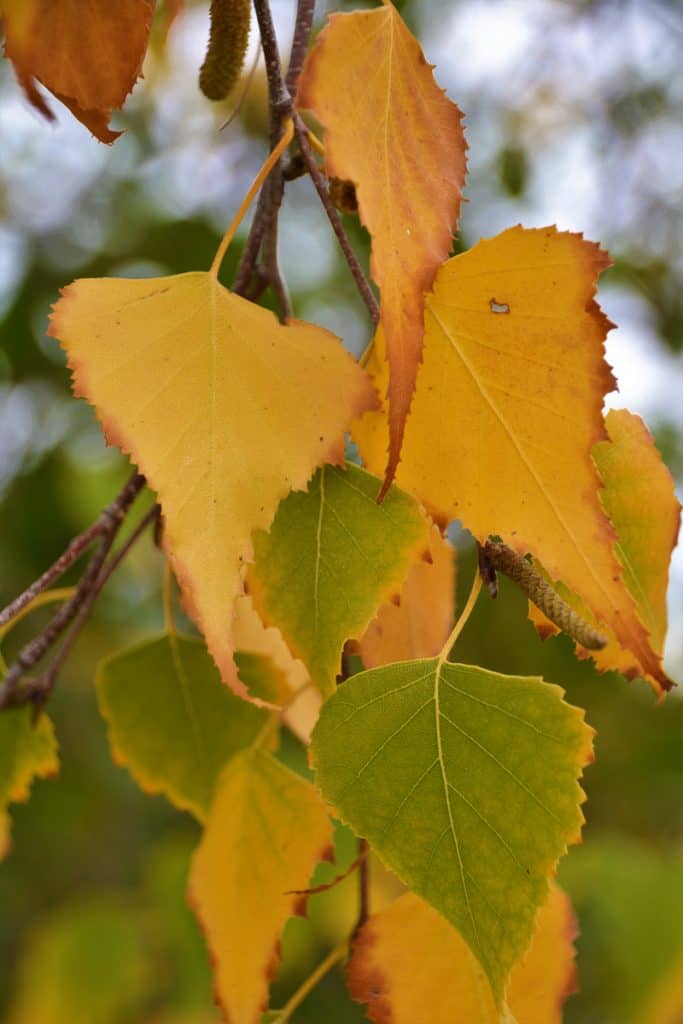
x=543, y=595
x=228, y=38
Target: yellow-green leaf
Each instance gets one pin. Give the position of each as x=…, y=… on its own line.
x=27, y=752
x=508, y=408
x=267, y=830
x=640, y=499
x=391, y=130
x=417, y=621
x=465, y=782
x=450, y=981
x=171, y=720
x=332, y=557
x=222, y=408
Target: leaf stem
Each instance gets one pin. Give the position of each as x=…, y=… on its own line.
x=46, y=597
x=311, y=981
x=462, y=620
x=268, y=165
x=167, y=599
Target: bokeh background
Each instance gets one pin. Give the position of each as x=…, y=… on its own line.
x=573, y=117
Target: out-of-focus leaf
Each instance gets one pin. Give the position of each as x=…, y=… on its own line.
x=465, y=782
x=332, y=557
x=172, y=721
x=88, y=53
x=88, y=963
x=392, y=131
x=267, y=830
x=27, y=752
x=223, y=409
x=449, y=980
x=508, y=408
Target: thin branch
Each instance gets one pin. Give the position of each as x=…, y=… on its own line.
x=363, y=884
x=302, y=32
x=335, y=220
x=109, y=523
x=41, y=688
x=114, y=512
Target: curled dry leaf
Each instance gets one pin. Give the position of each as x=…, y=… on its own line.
x=508, y=408
x=394, y=133
x=96, y=62
x=222, y=408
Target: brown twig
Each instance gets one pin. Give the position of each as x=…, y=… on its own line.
x=333, y=216
x=112, y=513
x=106, y=528
x=302, y=32
x=42, y=686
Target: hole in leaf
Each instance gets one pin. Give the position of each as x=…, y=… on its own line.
x=498, y=307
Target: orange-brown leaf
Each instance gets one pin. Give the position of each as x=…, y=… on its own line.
x=88, y=53
x=416, y=623
x=408, y=958
x=507, y=409
x=391, y=130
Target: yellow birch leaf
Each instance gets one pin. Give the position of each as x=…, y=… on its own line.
x=391, y=130
x=450, y=985
x=508, y=408
x=416, y=623
x=223, y=409
x=639, y=497
x=88, y=53
x=267, y=830
x=27, y=752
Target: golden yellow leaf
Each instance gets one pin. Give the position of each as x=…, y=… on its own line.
x=640, y=499
x=391, y=130
x=416, y=622
x=222, y=408
x=508, y=408
x=88, y=53
x=267, y=830
x=411, y=966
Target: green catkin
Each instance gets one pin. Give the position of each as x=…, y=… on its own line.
x=543, y=595
x=228, y=38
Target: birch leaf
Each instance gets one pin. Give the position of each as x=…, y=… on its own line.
x=267, y=830
x=450, y=980
x=26, y=753
x=333, y=555
x=171, y=721
x=391, y=130
x=508, y=408
x=465, y=782
x=223, y=409
x=88, y=53
x=640, y=499
x=415, y=624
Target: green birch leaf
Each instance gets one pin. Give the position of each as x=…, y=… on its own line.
x=27, y=752
x=331, y=558
x=171, y=720
x=465, y=782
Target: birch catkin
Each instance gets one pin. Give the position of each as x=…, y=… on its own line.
x=543, y=595
x=228, y=38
